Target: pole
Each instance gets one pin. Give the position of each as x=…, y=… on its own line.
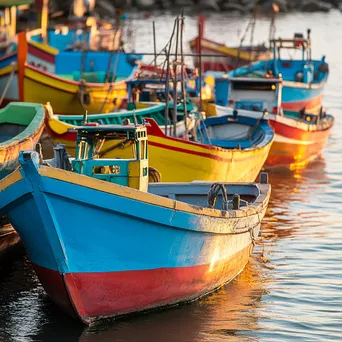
x=182, y=79
x=167, y=84
x=200, y=31
x=175, y=64
x=13, y=21
x=44, y=20
x=154, y=47
x=252, y=36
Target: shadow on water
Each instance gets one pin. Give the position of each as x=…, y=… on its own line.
x=232, y=313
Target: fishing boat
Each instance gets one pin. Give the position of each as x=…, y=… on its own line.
x=299, y=136
x=149, y=89
x=61, y=127
x=21, y=125
x=180, y=159
x=303, y=79
x=220, y=57
x=172, y=244
x=62, y=66
x=68, y=96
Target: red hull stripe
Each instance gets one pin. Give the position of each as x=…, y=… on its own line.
x=298, y=105
x=70, y=136
x=95, y=295
x=299, y=134
x=201, y=154
x=45, y=56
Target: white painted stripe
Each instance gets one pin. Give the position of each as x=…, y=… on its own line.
x=282, y=139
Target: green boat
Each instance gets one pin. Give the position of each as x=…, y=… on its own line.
x=59, y=125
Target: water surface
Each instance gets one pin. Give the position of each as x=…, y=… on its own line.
x=292, y=287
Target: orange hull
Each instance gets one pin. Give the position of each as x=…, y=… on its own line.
x=297, y=144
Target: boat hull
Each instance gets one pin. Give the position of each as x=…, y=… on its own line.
x=223, y=58
x=296, y=142
x=102, y=294
x=295, y=97
x=294, y=145
x=179, y=160
x=70, y=97
x=118, y=258
x=9, y=153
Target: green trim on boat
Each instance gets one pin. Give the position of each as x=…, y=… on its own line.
x=23, y=114
x=8, y=3
x=155, y=112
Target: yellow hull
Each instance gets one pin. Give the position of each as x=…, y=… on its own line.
x=181, y=161
x=69, y=97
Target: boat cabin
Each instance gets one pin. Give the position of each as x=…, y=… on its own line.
x=91, y=143
x=253, y=94
x=154, y=90
x=286, y=65
x=303, y=69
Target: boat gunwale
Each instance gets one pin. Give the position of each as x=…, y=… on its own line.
x=32, y=128
x=254, y=208
x=263, y=125
x=78, y=84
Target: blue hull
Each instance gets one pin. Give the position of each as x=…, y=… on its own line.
x=95, y=237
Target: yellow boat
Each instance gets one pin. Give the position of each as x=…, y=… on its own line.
x=71, y=97
x=179, y=160
x=25, y=81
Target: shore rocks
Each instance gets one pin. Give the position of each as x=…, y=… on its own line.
x=240, y=6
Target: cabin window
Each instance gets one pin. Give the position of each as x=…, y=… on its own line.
x=259, y=86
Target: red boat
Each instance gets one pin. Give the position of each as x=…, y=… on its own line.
x=299, y=136
x=219, y=57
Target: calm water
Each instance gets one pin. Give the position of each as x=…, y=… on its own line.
x=292, y=288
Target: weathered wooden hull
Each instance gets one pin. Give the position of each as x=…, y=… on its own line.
x=187, y=251
x=9, y=152
x=228, y=58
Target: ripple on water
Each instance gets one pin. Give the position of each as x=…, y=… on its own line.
x=291, y=289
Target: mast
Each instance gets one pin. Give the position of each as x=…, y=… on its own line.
x=200, y=32
x=13, y=21
x=167, y=84
x=45, y=20
x=175, y=64
x=154, y=47
x=275, y=11
x=182, y=78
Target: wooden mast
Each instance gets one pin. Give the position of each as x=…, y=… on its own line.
x=182, y=78
x=45, y=20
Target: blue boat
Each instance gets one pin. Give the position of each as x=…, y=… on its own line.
x=103, y=246
x=303, y=79
x=236, y=131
